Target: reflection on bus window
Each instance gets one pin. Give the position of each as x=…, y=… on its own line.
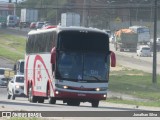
x=82, y=66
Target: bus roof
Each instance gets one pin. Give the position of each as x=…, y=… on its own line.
x=59, y=28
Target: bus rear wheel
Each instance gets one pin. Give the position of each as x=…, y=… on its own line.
x=40, y=99
x=95, y=103
x=31, y=98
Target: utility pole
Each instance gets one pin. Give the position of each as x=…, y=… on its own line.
x=57, y=12
x=84, y=13
x=130, y=17
x=154, y=74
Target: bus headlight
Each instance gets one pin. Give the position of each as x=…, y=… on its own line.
x=57, y=92
x=65, y=87
x=17, y=86
x=61, y=86
x=97, y=89
x=101, y=89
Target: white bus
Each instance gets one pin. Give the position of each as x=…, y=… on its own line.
x=143, y=33
x=69, y=64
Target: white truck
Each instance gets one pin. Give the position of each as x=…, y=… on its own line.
x=12, y=21
x=29, y=15
x=19, y=67
x=70, y=19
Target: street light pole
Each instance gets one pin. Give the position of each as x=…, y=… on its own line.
x=154, y=74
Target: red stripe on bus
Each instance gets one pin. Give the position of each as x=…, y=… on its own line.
x=36, y=93
x=27, y=73
x=38, y=57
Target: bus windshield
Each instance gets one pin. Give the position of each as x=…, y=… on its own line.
x=78, y=66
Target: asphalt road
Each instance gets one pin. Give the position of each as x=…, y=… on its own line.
x=22, y=104
x=131, y=60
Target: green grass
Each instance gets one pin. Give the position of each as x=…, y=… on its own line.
x=136, y=83
x=12, y=46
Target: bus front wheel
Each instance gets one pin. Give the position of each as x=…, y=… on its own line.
x=52, y=100
x=95, y=103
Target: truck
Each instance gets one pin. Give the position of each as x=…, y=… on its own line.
x=70, y=19
x=29, y=15
x=126, y=40
x=19, y=67
x=143, y=34
x=12, y=21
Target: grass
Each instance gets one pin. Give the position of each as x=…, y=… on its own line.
x=136, y=83
x=12, y=46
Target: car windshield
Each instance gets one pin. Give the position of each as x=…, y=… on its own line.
x=20, y=79
x=82, y=66
x=145, y=48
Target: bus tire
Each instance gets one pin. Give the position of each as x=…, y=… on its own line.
x=95, y=103
x=52, y=100
x=40, y=99
x=31, y=98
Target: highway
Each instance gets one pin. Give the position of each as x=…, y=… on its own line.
x=131, y=60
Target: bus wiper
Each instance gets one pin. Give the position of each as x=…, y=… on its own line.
x=93, y=77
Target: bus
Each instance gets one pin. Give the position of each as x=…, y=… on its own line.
x=143, y=33
x=70, y=64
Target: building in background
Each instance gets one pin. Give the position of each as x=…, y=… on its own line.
x=5, y=10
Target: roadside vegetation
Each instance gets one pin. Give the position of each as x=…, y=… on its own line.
x=11, y=46
x=135, y=83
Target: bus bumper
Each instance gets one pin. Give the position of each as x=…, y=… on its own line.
x=80, y=96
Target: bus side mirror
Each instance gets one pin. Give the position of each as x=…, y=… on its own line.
x=113, y=59
x=53, y=55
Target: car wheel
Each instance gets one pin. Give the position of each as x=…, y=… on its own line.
x=13, y=96
x=8, y=96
